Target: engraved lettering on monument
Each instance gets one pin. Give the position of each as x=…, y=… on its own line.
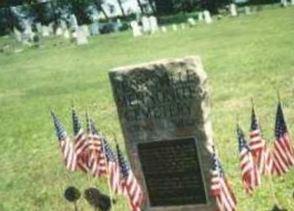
x=163, y=109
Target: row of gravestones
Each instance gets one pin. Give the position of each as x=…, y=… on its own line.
x=285, y=3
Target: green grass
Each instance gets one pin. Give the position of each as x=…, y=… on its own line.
x=244, y=57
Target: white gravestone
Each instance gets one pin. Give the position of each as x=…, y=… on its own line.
x=200, y=16
x=153, y=24
x=63, y=24
x=146, y=24
x=45, y=31
x=81, y=37
x=73, y=22
x=174, y=27
x=292, y=2
x=39, y=27
x=85, y=28
x=207, y=17
x=136, y=29
x=163, y=29
x=233, y=10
x=247, y=10
x=51, y=28
x=191, y=22
x=59, y=31
x=183, y=26
x=94, y=28
x=66, y=34
x=17, y=34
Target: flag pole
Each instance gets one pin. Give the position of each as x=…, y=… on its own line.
x=107, y=173
x=88, y=132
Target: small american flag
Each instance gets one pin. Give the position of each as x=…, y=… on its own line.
x=130, y=187
x=112, y=167
x=260, y=152
x=283, y=150
x=67, y=147
x=250, y=173
x=81, y=144
x=97, y=160
x=220, y=188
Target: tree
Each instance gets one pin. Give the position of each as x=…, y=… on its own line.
x=121, y=8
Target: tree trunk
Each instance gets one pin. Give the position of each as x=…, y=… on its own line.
x=121, y=8
x=141, y=7
x=100, y=8
x=152, y=6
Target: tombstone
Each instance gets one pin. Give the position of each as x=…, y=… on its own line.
x=45, y=31
x=17, y=34
x=284, y=3
x=163, y=108
x=63, y=25
x=39, y=27
x=292, y=2
x=81, y=37
x=174, y=27
x=51, y=28
x=59, y=31
x=191, y=22
x=163, y=29
x=207, y=17
x=27, y=34
x=247, y=10
x=66, y=34
x=200, y=16
x=233, y=10
x=94, y=28
x=73, y=22
x=146, y=24
x=153, y=24
x=183, y=26
x=86, y=30
x=136, y=29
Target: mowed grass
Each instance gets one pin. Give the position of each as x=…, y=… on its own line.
x=248, y=56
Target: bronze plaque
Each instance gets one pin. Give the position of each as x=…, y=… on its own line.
x=172, y=172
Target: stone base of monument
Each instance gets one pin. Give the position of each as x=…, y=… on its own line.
x=163, y=108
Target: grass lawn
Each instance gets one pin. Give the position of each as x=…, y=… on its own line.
x=245, y=56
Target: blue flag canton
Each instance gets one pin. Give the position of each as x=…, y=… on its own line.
x=216, y=166
x=76, y=122
x=241, y=139
x=280, y=127
x=254, y=122
x=59, y=129
x=124, y=167
x=110, y=156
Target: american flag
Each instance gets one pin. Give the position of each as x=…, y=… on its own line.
x=112, y=167
x=220, y=188
x=260, y=152
x=129, y=184
x=97, y=160
x=283, y=150
x=250, y=173
x=81, y=144
x=67, y=147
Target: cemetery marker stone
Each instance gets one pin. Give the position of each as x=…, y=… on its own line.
x=163, y=109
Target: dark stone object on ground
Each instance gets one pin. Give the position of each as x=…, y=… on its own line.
x=278, y=208
x=72, y=194
x=97, y=199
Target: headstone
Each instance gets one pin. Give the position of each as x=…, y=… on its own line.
x=45, y=31
x=292, y=2
x=81, y=37
x=174, y=27
x=163, y=29
x=153, y=24
x=39, y=27
x=284, y=3
x=73, y=22
x=233, y=10
x=86, y=30
x=136, y=29
x=59, y=31
x=200, y=16
x=17, y=34
x=63, y=25
x=51, y=28
x=163, y=109
x=183, y=26
x=94, y=28
x=247, y=10
x=66, y=34
x=146, y=24
x=191, y=21
x=207, y=16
